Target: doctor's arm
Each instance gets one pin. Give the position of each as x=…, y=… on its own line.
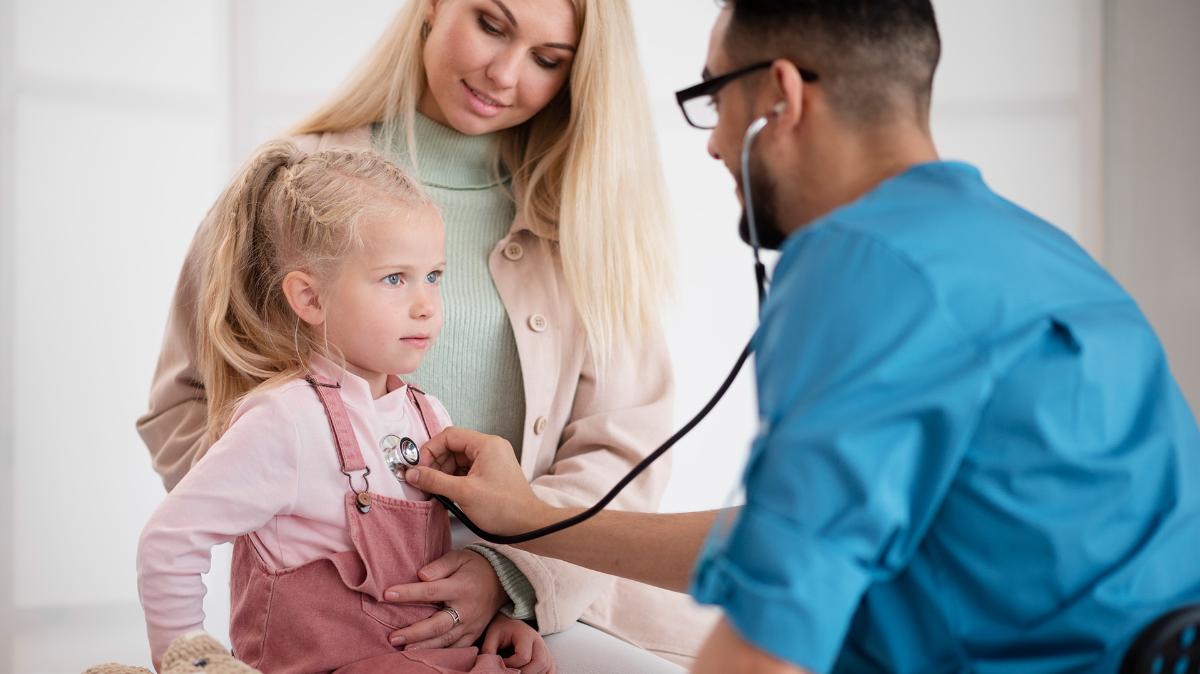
x=480, y=473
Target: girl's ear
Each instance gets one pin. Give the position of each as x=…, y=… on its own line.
x=304, y=297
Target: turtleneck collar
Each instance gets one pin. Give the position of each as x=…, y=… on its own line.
x=446, y=158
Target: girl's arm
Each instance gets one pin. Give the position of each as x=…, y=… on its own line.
x=248, y=477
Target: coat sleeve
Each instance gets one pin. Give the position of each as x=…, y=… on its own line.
x=621, y=412
x=173, y=426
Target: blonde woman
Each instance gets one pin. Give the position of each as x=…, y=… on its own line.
x=527, y=123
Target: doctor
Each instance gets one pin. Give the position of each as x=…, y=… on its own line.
x=973, y=456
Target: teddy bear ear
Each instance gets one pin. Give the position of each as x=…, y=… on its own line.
x=192, y=652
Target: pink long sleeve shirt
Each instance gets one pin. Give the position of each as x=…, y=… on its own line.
x=274, y=475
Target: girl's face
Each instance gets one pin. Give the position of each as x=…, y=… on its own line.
x=493, y=64
x=384, y=307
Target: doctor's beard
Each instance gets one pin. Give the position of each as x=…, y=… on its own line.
x=762, y=190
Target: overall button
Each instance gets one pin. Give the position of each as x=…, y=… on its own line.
x=537, y=323
x=514, y=251
x=539, y=426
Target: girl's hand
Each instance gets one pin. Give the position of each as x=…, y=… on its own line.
x=462, y=580
x=529, y=651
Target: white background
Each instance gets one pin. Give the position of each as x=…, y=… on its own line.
x=122, y=121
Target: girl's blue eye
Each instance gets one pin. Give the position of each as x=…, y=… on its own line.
x=393, y=279
x=433, y=277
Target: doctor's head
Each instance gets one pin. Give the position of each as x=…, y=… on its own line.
x=845, y=85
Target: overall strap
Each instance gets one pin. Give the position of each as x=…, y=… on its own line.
x=339, y=421
x=425, y=410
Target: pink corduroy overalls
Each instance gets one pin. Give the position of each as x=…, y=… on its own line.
x=328, y=615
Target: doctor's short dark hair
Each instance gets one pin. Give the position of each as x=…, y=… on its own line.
x=876, y=58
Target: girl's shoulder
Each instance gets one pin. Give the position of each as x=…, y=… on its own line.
x=287, y=400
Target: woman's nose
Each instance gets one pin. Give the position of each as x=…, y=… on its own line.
x=505, y=68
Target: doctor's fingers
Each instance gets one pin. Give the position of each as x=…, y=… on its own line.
x=462, y=447
x=435, y=453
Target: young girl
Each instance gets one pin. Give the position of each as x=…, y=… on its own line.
x=320, y=283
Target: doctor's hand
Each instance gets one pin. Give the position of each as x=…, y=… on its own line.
x=480, y=473
x=462, y=580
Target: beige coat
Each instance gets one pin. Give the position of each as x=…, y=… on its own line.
x=584, y=428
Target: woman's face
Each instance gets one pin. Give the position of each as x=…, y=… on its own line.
x=493, y=64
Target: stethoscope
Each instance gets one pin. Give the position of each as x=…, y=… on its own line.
x=402, y=453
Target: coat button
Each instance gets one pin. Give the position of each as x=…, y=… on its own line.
x=514, y=251
x=537, y=323
x=539, y=426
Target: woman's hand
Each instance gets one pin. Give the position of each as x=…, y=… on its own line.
x=462, y=580
x=480, y=473
x=528, y=651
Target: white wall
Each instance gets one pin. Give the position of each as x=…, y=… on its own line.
x=125, y=118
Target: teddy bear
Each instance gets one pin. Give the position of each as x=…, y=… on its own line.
x=196, y=652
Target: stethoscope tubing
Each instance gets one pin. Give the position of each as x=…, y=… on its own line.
x=760, y=279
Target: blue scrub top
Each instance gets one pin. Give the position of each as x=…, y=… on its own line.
x=972, y=457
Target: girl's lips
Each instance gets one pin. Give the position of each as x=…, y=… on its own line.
x=484, y=107
x=417, y=342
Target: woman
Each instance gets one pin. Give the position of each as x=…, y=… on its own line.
x=526, y=121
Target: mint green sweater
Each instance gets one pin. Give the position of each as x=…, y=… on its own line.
x=473, y=368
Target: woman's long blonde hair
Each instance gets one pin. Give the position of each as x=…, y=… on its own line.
x=285, y=211
x=586, y=166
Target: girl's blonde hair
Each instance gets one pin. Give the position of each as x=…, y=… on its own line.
x=285, y=211
x=586, y=166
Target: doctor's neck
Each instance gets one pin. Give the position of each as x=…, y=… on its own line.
x=841, y=164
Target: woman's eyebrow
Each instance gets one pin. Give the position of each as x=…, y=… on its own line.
x=513, y=20
x=507, y=12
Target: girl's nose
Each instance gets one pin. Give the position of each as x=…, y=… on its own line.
x=423, y=305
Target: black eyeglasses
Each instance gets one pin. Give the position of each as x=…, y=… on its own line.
x=697, y=104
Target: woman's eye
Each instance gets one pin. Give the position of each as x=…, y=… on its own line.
x=488, y=27
x=433, y=277
x=393, y=279
x=548, y=64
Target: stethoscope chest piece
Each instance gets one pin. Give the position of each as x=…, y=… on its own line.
x=400, y=454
